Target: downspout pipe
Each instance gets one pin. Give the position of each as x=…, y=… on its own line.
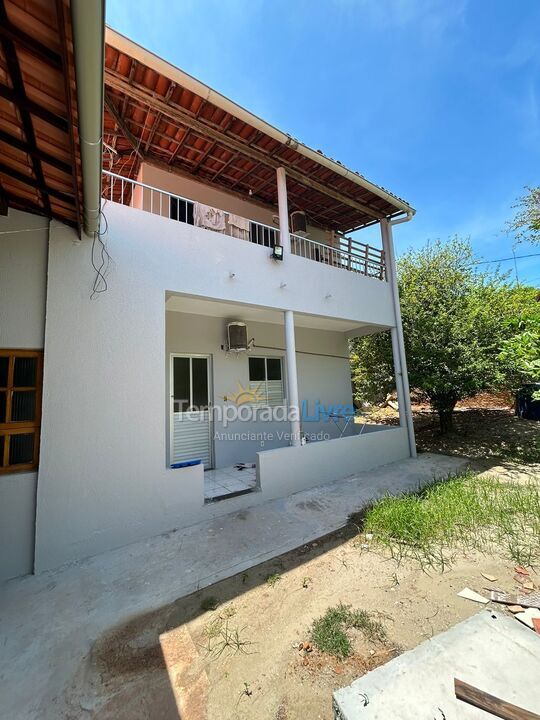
x=398, y=344
x=88, y=23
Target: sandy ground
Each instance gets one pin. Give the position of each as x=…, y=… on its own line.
x=133, y=670
x=174, y=662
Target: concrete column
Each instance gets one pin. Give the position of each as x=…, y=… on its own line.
x=398, y=345
x=292, y=378
x=283, y=207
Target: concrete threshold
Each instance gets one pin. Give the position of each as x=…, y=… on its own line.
x=49, y=622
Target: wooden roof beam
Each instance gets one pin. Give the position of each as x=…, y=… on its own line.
x=4, y=203
x=33, y=108
x=121, y=123
x=44, y=53
x=35, y=152
x=179, y=116
x=37, y=184
x=16, y=77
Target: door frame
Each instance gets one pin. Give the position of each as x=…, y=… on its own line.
x=208, y=357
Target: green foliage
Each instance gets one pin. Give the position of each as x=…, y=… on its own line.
x=465, y=512
x=455, y=321
x=526, y=222
x=329, y=632
x=520, y=352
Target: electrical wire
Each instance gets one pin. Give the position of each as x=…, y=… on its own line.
x=100, y=281
x=507, y=259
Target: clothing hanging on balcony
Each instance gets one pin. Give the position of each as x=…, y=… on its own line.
x=239, y=226
x=208, y=217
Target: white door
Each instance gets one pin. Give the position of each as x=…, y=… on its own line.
x=191, y=409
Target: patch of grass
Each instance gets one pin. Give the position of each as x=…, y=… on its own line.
x=209, y=603
x=273, y=579
x=329, y=632
x=221, y=638
x=465, y=512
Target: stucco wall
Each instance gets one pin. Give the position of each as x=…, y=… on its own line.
x=103, y=475
x=23, y=279
x=311, y=465
x=162, y=255
x=198, y=192
x=323, y=375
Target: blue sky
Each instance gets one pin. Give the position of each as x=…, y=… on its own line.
x=437, y=100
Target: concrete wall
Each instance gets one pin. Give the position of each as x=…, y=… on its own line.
x=103, y=479
x=314, y=463
x=198, y=192
x=324, y=376
x=23, y=279
x=156, y=254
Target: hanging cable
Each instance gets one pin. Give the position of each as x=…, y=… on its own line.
x=102, y=265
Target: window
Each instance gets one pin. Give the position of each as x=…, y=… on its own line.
x=181, y=210
x=266, y=381
x=20, y=409
x=190, y=384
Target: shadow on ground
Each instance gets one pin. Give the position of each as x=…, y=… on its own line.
x=125, y=677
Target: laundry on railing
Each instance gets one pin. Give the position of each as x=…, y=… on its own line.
x=239, y=226
x=208, y=217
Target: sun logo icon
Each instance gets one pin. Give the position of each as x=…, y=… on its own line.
x=245, y=396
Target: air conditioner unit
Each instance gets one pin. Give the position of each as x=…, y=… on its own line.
x=299, y=223
x=237, y=340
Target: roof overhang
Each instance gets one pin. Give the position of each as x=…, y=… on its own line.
x=42, y=170
x=159, y=114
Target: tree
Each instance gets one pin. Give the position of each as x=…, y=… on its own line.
x=520, y=352
x=454, y=324
x=526, y=222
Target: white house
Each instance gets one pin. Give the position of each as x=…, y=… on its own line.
x=177, y=296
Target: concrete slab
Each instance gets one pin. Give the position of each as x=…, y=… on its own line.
x=490, y=650
x=49, y=622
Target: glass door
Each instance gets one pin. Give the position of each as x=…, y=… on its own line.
x=191, y=409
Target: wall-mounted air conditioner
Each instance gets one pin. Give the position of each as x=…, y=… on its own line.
x=237, y=339
x=299, y=223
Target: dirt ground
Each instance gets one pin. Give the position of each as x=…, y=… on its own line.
x=242, y=660
x=486, y=429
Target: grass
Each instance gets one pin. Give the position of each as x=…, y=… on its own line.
x=273, y=579
x=221, y=638
x=329, y=632
x=465, y=512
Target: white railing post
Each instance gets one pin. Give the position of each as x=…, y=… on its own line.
x=283, y=208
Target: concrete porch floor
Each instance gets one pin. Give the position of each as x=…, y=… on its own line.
x=49, y=622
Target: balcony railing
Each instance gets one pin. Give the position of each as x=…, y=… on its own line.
x=348, y=255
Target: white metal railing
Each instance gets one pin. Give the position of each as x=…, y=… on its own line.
x=160, y=202
x=348, y=255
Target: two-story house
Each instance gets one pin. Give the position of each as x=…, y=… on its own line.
x=186, y=354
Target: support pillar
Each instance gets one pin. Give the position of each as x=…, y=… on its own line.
x=283, y=207
x=398, y=345
x=292, y=378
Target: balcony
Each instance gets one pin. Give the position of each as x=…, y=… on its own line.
x=346, y=254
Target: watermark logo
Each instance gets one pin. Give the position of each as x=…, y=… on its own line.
x=245, y=396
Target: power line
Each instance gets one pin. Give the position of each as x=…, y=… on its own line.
x=514, y=257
